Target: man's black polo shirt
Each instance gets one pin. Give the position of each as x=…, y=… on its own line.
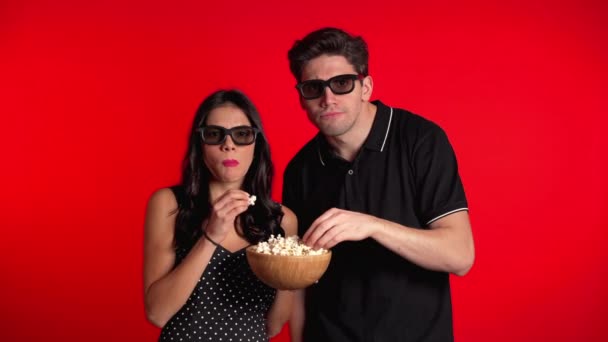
x=406, y=172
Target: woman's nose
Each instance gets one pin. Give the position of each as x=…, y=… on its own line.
x=228, y=144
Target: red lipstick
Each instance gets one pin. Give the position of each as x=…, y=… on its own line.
x=230, y=162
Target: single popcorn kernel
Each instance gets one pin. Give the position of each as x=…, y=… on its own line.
x=287, y=246
x=252, y=199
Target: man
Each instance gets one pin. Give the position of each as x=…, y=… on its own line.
x=380, y=187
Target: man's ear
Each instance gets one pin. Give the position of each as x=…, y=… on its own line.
x=366, y=88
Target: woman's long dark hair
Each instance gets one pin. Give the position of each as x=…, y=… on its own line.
x=260, y=220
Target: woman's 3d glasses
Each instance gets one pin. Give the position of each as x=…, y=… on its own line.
x=216, y=135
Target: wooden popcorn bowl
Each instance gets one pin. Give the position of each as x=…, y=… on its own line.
x=287, y=272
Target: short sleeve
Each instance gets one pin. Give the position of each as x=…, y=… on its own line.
x=438, y=185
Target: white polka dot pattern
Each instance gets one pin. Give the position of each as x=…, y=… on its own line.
x=228, y=304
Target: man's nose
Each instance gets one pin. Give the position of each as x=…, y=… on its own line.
x=328, y=96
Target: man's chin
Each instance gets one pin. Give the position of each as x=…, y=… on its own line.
x=332, y=131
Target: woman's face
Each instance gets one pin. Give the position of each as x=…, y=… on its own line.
x=228, y=162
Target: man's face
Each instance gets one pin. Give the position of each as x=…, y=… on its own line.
x=334, y=115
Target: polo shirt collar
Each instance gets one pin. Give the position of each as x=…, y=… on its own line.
x=378, y=135
x=376, y=140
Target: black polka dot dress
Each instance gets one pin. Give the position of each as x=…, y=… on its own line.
x=229, y=303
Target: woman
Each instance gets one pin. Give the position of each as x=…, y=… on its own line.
x=197, y=283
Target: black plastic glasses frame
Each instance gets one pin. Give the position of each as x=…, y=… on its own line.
x=313, y=89
x=236, y=133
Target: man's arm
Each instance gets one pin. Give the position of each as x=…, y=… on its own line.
x=446, y=246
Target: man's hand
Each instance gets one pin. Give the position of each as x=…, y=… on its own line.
x=337, y=225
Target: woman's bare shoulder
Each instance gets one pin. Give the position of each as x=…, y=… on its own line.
x=290, y=221
x=163, y=198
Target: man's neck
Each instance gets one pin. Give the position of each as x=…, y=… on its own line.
x=349, y=144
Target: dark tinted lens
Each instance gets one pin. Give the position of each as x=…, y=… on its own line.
x=339, y=85
x=213, y=135
x=342, y=84
x=243, y=135
x=312, y=88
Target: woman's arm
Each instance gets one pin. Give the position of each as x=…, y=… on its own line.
x=166, y=289
x=282, y=306
x=296, y=321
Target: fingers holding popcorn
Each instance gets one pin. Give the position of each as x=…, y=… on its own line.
x=224, y=212
x=337, y=225
x=332, y=237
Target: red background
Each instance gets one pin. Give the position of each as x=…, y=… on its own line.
x=96, y=100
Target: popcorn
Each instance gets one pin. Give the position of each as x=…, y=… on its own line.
x=252, y=199
x=287, y=246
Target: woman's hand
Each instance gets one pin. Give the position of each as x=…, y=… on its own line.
x=223, y=213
